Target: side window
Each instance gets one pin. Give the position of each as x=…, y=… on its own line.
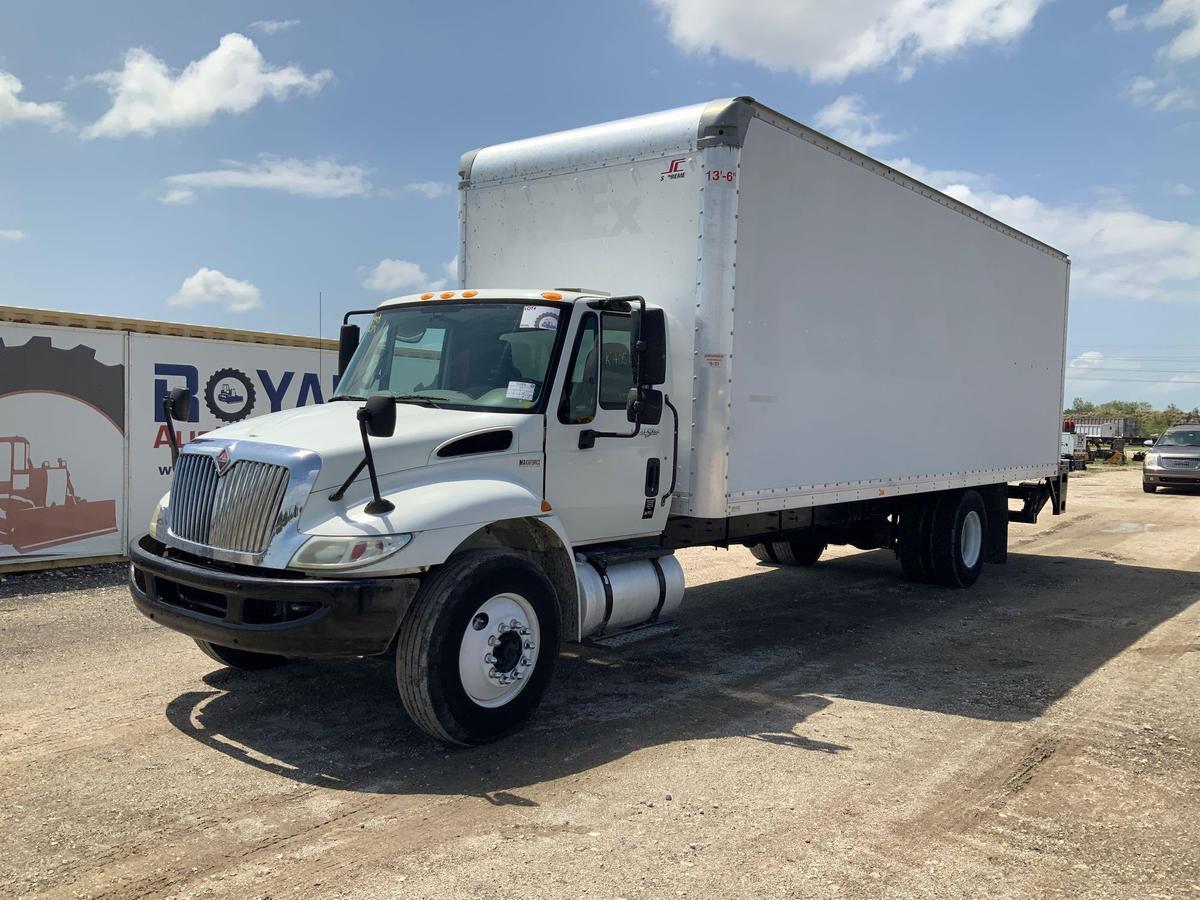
x=616, y=362
x=579, y=392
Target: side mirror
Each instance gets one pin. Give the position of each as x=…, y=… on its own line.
x=648, y=333
x=379, y=412
x=347, y=344
x=1147, y=443
x=644, y=406
x=178, y=403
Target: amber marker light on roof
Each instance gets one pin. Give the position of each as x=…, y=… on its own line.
x=446, y=295
x=427, y=296
x=551, y=295
x=469, y=294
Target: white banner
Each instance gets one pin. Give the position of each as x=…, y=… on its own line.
x=84, y=452
x=62, y=443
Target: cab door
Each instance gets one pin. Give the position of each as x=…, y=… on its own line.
x=614, y=488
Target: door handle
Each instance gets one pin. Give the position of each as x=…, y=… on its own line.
x=652, y=470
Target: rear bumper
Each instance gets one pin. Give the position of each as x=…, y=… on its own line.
x=306, y=617
x=1166, y=477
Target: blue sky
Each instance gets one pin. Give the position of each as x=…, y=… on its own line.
x=223, y=162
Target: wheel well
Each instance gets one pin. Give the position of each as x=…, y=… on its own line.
x=537, y=542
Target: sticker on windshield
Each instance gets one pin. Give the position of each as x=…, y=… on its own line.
x=542, y=317
x=520, y=390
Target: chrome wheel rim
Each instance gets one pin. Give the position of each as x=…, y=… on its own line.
x=970, y=539
x=499, y=650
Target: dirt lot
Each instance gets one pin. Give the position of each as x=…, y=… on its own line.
x=804, y=733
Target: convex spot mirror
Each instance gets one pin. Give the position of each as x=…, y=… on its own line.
x=645, y=406
x=178, y=403
x=1147, y=443
x=648, y=332
x=379, y=412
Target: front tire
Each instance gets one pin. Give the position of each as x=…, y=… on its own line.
x=246, y=660
x=957, y=539
x=1149, y=488
x=477, y=649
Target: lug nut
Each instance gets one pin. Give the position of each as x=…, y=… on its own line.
x=518, y=675
x=525, y=661
x=529, y=645
x=492, y=673
x=493, y=640
x=490, y=658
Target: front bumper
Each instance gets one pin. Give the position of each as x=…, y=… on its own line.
x=289, y=616
x=1171, y=477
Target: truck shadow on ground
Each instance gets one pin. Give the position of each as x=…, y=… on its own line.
x=754, y=657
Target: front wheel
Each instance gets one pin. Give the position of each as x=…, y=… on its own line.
x=1149, y=488
x=477, y=649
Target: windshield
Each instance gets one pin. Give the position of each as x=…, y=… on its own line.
x=486, y=355
x=1180, y=437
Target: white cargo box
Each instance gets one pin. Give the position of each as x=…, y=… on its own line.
x=838, y=330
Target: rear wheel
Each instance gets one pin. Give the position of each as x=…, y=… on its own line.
x=798, y=553
x=246, y=660
x=916, y=521
x=478, y=647
x=1149, y=488
x=762, y=552
x=958, y=534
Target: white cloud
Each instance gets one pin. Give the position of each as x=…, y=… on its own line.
x=1185, y=14
x=1182, y=190
x=147, y=96
x=451, y=269
x=400, y=275
x=1117, y=251
x=274, y=26
x=431, y=189
x=319, y=178
x=1119, y=18
x=847, y=119
x=1146, y=92
x=16, y=234
x=828, y=41
x=13, y=109
x=178, y=197
x=210, y=286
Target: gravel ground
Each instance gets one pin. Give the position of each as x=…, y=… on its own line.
x=833, y=732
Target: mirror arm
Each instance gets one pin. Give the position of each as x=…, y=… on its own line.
x=171, y=439
x=341, y=492
x=378, y=505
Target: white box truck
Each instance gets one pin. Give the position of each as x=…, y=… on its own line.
x=782, y=344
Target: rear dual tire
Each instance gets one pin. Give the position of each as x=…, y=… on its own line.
x=802, y=553
x=943, y=538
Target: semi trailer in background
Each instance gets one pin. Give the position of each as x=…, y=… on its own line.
x=655, y=318
x=84, y=448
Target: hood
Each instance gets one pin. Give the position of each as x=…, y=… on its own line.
x=331, y=431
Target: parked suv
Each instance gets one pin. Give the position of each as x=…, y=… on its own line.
x=1173, y=460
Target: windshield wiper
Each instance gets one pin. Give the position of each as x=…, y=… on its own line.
x=346, y=397
x=421, y=399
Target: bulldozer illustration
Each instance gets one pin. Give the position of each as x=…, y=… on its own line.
x=229, y=395
x=38, y=504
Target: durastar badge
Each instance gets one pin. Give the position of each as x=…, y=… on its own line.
x=223, y=461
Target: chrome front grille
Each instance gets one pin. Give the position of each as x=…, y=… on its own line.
x=236, y=511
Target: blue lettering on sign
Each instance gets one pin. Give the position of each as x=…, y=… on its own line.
x=161, y=387
x=275, y=394
x=310, y=387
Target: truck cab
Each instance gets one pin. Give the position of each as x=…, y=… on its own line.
x=515, y=433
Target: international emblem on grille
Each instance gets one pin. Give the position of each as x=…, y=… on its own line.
x=222, y=461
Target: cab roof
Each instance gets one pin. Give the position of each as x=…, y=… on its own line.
x=548, y=295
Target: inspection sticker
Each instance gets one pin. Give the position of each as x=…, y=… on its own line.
x=541, y=317
x=520, y=390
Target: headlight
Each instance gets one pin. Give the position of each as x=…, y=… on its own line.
x=347, y=552
x=1152, y=459
x=158, y=517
